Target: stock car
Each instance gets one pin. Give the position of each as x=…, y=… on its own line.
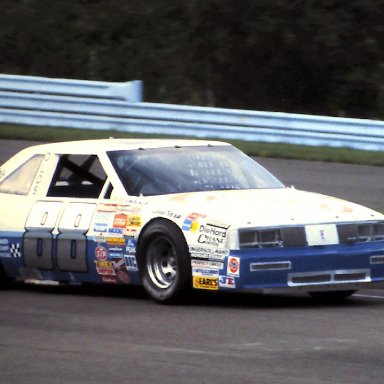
x=177, y=215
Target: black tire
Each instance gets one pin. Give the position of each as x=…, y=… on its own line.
x=5, y=281
x=331, y=296
x=164, y=262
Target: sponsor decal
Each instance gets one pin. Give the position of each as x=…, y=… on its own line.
x=15, y=250
x=115, y=232
x=9, y=250
x=131, y=246
x=134, y=221
x=227, y=282
x=169, y=214
x=120, y=220
x=202, y=282
x=109, y=279
x=38, y=180
x=115, y=255
x=116, y=249
x=116, y=241
x=190, y=223
x=205, y=272
x=321, y=234
x=104, y=264
x=4, y=248
x=130, y=263
x=211, y=253
x=105, y=268
x=233, y=266
x=207, y=264
x=212, y=235
x=100, y=227
x=106, y=207
x=101, y=253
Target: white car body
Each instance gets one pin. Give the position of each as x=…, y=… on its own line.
x=251, y=238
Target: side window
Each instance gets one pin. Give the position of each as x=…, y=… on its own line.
x=78, y=176
x=19, y=181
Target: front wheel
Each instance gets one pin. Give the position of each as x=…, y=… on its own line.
x=164, y=262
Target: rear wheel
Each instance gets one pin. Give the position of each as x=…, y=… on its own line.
x=5, y=281
x=164, y=262
x=331, y=296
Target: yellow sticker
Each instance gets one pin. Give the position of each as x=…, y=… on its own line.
x=104, y=264
x=202, y=282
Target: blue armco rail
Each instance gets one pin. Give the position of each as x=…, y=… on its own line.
x=103, y=105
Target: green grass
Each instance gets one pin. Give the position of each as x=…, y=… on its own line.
x=275, y=150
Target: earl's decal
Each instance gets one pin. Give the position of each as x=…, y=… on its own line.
x=203, y=282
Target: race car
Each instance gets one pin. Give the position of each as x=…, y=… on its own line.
x=177, y=215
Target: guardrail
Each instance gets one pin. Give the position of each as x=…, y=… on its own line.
x=101, y=105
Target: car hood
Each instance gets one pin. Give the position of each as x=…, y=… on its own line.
x=269, y=207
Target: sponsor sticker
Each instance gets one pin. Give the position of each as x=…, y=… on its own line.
x=103, y=264
x=9, y=250
x=100, y=227
x=116, y=249
x=227, y=282
x=101, y=253
x=109, y=279
x=130, y=263
x=106, y=271
x=203, y=282
x=205, y=272
x=211, y=253
x=116, y=241
x=134, y=221
x=120, y=220
x=130, y=247
x=4, y=248
x=321, y=234
x=207, y=264
x=115, y=232
x=105, y=268
x=233, y=266
x=190, y=223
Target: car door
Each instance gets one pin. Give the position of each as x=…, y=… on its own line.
x=56, y=228
x=71, y=243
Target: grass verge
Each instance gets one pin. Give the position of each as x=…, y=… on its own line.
x=274, y=150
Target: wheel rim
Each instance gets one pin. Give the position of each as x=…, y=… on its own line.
x=161, y=262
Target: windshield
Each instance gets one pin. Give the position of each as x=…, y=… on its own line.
x=162, y=171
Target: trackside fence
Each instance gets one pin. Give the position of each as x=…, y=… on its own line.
x=103, y=105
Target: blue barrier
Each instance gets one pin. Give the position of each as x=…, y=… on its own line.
x=102, y=105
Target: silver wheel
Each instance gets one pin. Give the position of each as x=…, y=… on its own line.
x=161, y=262
x=164, y=262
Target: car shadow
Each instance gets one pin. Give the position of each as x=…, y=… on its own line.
x=202, y=298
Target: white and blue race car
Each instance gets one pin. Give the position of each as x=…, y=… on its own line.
x=176, y=215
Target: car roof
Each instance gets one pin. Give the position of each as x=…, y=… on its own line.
x=111, y=144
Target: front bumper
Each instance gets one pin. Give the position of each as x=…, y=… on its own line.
x=331, y=267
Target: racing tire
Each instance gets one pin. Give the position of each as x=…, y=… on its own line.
x=164, y=262
x=331, y=296
x=5, y=281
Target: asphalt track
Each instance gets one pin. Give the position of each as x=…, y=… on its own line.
x=100, y=335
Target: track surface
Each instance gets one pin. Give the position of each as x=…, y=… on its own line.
x=96, y=335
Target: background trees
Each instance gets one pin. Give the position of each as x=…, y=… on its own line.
x=306, y=56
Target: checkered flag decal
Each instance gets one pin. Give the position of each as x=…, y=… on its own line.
x=15, y=250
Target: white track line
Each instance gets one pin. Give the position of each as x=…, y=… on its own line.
x=369, y=296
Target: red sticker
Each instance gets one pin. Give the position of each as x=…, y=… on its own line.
x=233, y=266
x=101, y=253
